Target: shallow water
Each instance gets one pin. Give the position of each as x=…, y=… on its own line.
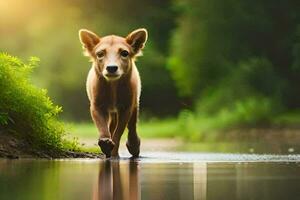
x=157, y=175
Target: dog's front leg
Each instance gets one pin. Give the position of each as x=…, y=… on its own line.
x=133, y=141
x=100, y=118
x=123, y=117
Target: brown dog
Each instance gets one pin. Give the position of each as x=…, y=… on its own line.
x=114, y=86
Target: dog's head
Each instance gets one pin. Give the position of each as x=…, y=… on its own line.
x=113, y=55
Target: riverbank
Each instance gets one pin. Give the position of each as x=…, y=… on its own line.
x=255, y=140
x=13, y=147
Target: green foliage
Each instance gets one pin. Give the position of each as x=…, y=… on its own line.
x=27, y=109
x=213, y=37
x=238, y=61
x=247, y=80
x=291, y=119
x=3, y=118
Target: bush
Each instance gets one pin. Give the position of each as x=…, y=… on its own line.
x=242, y=100
x=27, y=110
x=255, y=111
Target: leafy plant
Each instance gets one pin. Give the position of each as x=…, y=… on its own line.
x=3, y=118
x=27, y=109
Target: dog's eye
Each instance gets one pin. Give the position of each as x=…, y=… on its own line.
x=100, y=54
x=124, y=53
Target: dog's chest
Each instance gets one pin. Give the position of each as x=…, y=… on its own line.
x=112, y=100
x=117, y=98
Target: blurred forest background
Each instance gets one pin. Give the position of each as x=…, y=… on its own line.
x=208, y=64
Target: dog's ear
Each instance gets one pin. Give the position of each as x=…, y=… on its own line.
x=88, y=39
x=137, y=39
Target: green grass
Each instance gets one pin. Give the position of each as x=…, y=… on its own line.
x=83, y=130
x=187, y=126
x=288, y=119
x=167, y=128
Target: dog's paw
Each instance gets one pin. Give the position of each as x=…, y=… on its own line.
x=106, y=145
x=133, y=147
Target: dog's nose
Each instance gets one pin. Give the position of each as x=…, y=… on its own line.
x=112, y=68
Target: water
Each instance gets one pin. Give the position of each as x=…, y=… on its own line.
x=157, y=175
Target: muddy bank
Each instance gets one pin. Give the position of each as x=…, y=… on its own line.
x=13, y=147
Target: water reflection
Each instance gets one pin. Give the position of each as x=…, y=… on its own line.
x=133, y=180
x=197, y=181
x=119, y=181
x=116, y=181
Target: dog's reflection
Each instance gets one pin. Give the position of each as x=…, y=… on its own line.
x=117, y=180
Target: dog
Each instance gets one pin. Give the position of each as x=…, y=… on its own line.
x=114, y=87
